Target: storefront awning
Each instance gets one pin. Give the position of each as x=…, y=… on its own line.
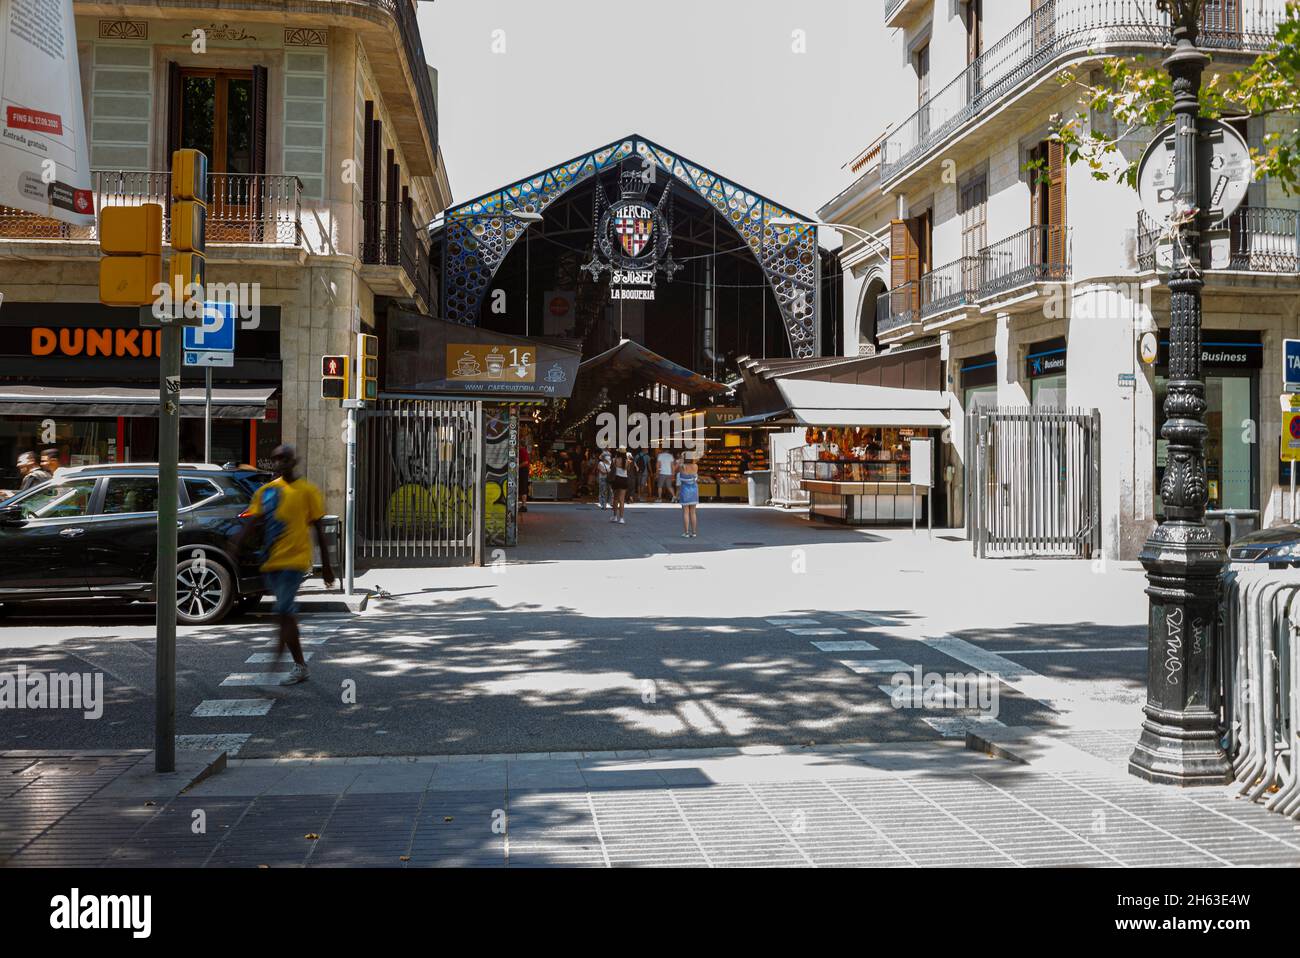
x=228, y=402
x=823, y=404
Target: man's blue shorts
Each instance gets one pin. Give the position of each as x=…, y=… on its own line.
x=284, y=585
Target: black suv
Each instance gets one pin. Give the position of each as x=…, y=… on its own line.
x=91, y=533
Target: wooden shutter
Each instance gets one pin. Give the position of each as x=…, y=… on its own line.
x=974, y=30
x=259, y=119
x=1056, y=169
x=173, y=110
x=905, y=261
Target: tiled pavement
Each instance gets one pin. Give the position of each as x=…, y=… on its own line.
x=925, y=803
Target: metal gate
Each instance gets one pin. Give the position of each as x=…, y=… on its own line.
x=1033, y=482
x=786, y=476
x=419, y=493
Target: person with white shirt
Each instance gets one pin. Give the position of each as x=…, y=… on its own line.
x=664, y=469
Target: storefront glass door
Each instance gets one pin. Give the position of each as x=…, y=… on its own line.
x=1231, y=449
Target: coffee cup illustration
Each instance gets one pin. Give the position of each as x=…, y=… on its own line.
x=467, y=365
x=495, y=363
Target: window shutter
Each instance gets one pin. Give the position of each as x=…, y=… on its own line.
x=173, y=110
x=905, y=259
x=259, y=119
x=898, y=238
x=1056, y=168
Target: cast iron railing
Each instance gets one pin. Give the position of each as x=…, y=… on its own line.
x=950, y=286
x=1048, y=36
x=891, y=7
x=1261, y=240
x=389, y=238
x=897, y=307
x=242, y=207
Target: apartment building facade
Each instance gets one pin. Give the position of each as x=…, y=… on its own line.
x=319, y=120
x=1036, y=278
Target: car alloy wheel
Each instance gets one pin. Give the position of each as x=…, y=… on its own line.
x=204, y=590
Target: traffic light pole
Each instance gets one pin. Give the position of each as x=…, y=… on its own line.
x=350, y=502
x=207, y=414
x=169, y=419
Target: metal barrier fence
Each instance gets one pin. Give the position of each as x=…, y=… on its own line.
x=1033, y=482
x=786, y=487
x=1259, y=672
x=420, y=487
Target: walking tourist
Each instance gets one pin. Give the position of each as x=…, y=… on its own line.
x=604, y=470
x=664, y=467
x=688, y=494
x=284, y=509
x=619, y=482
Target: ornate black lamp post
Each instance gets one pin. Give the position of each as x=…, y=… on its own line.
x=1180, y=737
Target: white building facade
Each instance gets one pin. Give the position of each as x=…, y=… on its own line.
x=1036, y=278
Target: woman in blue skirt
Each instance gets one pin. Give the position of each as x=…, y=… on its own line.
x=688, y=493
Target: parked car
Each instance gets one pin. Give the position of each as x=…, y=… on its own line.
x=90, y=534
x=1279, y=547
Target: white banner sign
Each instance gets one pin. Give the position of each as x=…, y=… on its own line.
x=44, y=160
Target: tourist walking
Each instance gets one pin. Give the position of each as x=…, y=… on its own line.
x=665, y=465
x=604, y=472
x=618, y=481
x=688, y=494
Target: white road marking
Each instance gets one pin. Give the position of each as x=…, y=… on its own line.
x=788, y=622
x=871, y=666
x=221, y=708
x=1114, y=648
x=816, y=631
x=956, y=726
x=253, y=678
x=917, y=693
x=269, y=658
x=856, y=645
x=230, y=744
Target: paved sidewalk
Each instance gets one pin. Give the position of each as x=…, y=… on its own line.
x=898, y=804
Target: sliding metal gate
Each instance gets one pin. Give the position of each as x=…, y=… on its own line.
x=1033, y=482
x=419, y=495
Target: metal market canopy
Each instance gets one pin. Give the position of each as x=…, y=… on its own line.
x=629, y=360
x=810, y=402
x=228, y=402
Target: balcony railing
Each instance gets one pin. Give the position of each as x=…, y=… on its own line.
x=950, y=286
x=1035, y=255
x=1040, y=254
x=389, y=238
x=1260, y=240
x=891, y=7
x=1051, y=34
x=242, y=207
x=403, y=11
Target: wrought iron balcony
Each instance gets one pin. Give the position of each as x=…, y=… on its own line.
x=242, y=208
x=1260, y=240
x=389, y=238
x=1040, y=254
x=950, y=286
x=898, y=307
x=1055, y=32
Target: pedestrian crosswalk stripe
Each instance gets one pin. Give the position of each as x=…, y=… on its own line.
x=852, y=645
x=816, y=631
x=941, y=695
x=956, y=726
x=230, y=743
x=221, y=708
x=870, y=666
x=253, y=678
x=789, y=622
x=269, y=658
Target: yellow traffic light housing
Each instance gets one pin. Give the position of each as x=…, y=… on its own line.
x=190, y=176
x=130, y=238
x=189, y=226
x=367, y=366
x=189, y=189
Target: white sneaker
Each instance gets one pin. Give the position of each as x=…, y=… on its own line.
x=613, y=518
x=298, y=674
x=623, y=521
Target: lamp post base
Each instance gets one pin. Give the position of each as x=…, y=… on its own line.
x=1186, y=754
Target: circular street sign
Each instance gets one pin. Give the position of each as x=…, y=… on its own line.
x=1295, y=427
x=1224, y=165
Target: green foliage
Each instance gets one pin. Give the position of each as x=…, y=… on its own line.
x=1137, y=93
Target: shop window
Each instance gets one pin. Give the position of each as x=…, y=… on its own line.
x=1230, y=455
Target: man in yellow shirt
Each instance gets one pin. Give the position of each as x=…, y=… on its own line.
x=285, y=508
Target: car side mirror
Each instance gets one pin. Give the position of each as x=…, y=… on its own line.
x=11, y=516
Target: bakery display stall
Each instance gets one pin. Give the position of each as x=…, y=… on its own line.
x=729, y=451
x=857, y=466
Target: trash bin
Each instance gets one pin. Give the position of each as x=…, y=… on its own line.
x=1216, y=520
x=760, y=486
x=332, y=527
x=1241, y=522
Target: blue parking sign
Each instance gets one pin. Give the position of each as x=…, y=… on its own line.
x=1291, y=363
x=217, y=334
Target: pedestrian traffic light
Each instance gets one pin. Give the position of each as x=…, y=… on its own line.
x=189, y=192
x=130, y=237
x=334, y=377
x=367, y=366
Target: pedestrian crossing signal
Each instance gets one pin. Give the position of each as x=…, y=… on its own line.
x=367, y=366
x=334, y=377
